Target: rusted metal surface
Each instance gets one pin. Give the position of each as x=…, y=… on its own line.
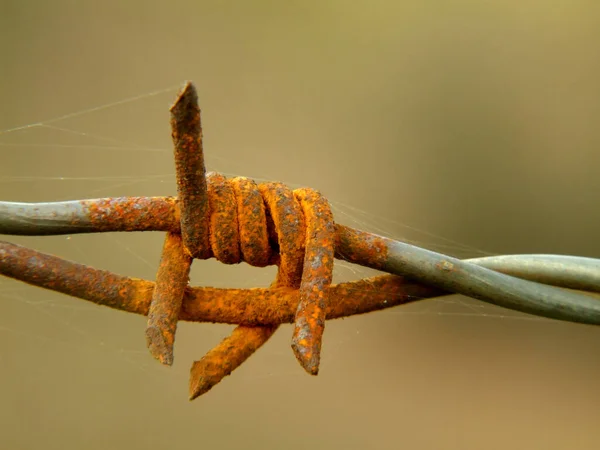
x=171, y=281
x=354, y=245
x=257, y=306
x=251, y=307
x=224, y=229
x=317, y=274
x=189, y=164
x=234, y=350
x=252, y=220
x=89, y=216
x=78, y=280
x=236, y=220
x=226, y=357
x=288, y=226
x=232, y=220
x=133, y=213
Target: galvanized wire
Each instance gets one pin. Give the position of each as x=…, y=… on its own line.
x=478, y=278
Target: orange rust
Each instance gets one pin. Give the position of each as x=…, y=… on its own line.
x=359, y=246
x=259, y=207
x=316, y=279
x=257, y=306
x=78, y=280
x=226, y=357
x=273, y=306
x=234, y=350
x=252, y=219
x=289, y=227
x=210, y=206
x=260, y=306
x=224, y=232
x=133, y=213
x=186, y=131
x=271, y=207
x=233, y=220
x=171, y=281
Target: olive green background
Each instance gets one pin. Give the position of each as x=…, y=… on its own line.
x=474, y=121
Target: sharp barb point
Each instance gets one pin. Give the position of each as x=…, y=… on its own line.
x=159, y=348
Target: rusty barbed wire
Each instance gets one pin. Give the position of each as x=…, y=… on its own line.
x=237, y=220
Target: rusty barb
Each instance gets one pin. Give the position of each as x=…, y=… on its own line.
x=235, y=220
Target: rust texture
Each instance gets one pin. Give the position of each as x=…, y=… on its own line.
x=288, y=221
x=78, y=280
x=233, y=220
x=226, y=357
x=132, y=214
x=171, y=281
x=257, y=311
x=189, y=164
x=316, y=279
x=359, y=246
x=252, y=220
x=256, y=306
x=212, y=206
x=224, y=230
x=234, y=350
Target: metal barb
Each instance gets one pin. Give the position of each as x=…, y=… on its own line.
x=186, y=130
x=171, y=281
x=237, y=220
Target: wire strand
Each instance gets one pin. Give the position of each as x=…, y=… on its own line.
x=235, y=220
x=478, y=278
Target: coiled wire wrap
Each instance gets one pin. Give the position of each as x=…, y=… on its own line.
x=236, y=220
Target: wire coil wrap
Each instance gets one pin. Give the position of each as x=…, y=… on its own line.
x=237, y=220
x=261, y=225
x=229, y=219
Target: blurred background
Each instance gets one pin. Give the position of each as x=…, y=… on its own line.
x=466, y=127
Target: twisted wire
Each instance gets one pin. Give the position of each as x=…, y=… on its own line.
x=228, y=220
x=355, y=246
x=256, y=306
x=237, y=220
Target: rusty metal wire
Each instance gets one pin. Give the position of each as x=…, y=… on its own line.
x=237, y=220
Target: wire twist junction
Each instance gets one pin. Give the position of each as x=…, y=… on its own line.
x=229, y=219
x=237, y=220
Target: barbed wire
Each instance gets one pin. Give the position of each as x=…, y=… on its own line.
x=237, y=220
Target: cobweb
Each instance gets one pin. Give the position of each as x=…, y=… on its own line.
x=71, y=144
